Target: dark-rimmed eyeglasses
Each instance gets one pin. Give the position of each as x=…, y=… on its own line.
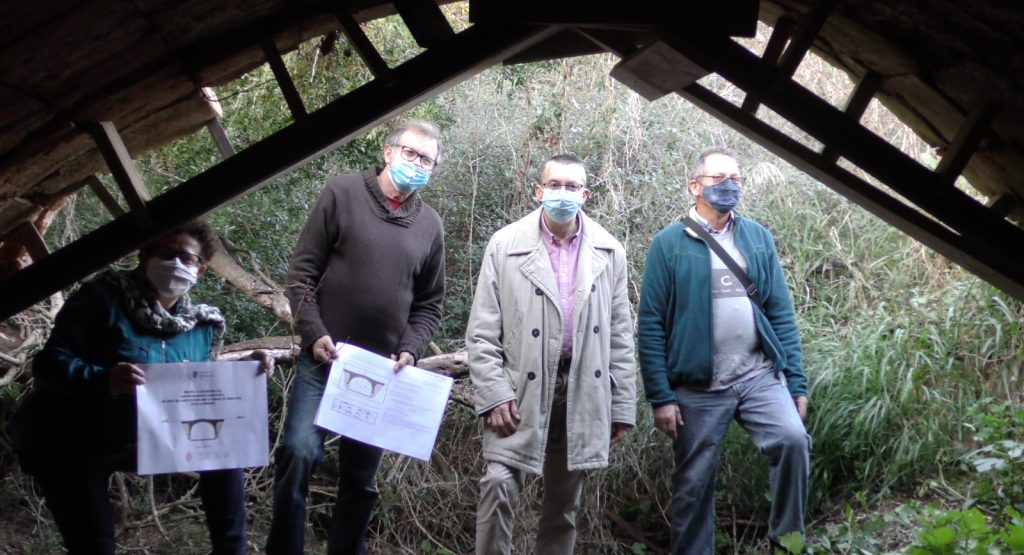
x=410, y=155
x=571, y=186
x=718, y=178
x=185, y=257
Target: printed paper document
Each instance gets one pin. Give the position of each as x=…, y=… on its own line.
x=367, y=401
x=202, y=416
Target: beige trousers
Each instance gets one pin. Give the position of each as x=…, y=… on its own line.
x=499, y=491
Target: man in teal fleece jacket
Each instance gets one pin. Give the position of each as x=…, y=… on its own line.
x=709, y=355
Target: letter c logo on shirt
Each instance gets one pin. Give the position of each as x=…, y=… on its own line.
x=726, y=280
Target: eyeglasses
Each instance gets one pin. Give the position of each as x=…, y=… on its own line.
x=718, y=178
x=410, y=155
x=185, y=257
x=572, y=187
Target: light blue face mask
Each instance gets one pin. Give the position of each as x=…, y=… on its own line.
x=724, y=196
x=561, y=205
x=406, y=176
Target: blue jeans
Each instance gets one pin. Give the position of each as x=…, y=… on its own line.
x=301, y=452
x=76, y=493
x=765, y=409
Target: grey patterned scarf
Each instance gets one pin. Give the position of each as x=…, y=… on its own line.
x=146, y=312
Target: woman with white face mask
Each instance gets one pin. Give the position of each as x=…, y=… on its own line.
x=78, y=425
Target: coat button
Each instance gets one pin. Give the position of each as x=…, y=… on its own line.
x=593, y=288
x=538, y=291
x=597, y=373
x=531, y=376
x=597, y=329
x=536, y=332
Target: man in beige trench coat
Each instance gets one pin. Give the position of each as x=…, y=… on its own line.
x=550, y=342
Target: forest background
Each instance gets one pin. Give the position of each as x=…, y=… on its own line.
x=915, y=366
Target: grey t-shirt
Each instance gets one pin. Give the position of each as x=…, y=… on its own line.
x=738, y=353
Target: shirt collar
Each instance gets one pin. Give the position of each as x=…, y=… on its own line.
x=707, y=225
x=550, y=238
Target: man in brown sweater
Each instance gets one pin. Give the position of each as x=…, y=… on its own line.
x=368, y=270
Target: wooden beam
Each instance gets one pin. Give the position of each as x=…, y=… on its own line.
x=860, y=146
x=789, y=60
x=220, y=137
x=855, y=106
x=122, y=167
x=362, y=45
x=426, y=75
x=566, y=44
x=425, y=21
x=959, y=152
x=101, y=192
x=284, y=81
x=776, y=43
x=973, y=253
x=963, y=250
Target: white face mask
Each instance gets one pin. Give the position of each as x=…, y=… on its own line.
x=171, y=278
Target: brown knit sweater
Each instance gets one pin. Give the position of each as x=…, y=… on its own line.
x=365, y=274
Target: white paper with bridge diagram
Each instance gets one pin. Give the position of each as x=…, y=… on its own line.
x=195, y=416
x=367, y=401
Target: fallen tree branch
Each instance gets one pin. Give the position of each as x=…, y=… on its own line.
x=262, y=291
x=12, y=373
x=454, y=365
x=282, y=347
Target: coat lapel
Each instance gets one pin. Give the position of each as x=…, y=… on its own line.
x=536, y=265
x=591, y=264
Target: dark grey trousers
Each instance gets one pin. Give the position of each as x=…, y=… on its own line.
x=763, y=406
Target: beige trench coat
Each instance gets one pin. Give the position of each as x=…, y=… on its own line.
x=514, y=340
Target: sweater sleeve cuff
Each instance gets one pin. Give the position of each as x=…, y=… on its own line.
x=309, y=332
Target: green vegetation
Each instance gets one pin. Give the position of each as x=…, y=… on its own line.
x=916, y=366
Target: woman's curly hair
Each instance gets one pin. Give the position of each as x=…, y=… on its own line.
x=200, y=230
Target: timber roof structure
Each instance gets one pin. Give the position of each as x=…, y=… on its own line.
x=88, y=85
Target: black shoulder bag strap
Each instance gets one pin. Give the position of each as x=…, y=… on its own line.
x=745, y=281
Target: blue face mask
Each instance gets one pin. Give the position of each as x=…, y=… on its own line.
x=407, y=176
x=724, y=196
x=561, y=205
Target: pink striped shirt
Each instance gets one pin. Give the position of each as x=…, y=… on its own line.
x=564, y=256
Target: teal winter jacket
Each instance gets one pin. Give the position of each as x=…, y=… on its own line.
x=675, y=328
x=70, y=411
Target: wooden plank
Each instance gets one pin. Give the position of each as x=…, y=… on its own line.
x=854, y=142
x=973, y=253
x=772, y=52
x=803, y=39
x=284, y=81
x=362, y=45
x=425, y=21
x=101, y=192
x=333, y=125
x=656, y=70
x=729, y=17
x=122, y=167
x=220, y=137
x=856, y=104
x=959, y=152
